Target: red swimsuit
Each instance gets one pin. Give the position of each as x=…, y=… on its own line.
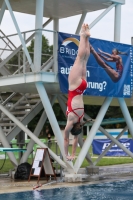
x=71, y=94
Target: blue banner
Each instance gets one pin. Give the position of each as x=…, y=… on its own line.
x=99, y=146
x=99, y=79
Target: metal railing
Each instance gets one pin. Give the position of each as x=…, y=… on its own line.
x=22, y=65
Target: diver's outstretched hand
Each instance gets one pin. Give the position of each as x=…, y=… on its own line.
x=73, y=157
x=70, y=158
x=100, y=50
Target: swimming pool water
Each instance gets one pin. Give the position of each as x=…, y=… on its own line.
x=122, y=190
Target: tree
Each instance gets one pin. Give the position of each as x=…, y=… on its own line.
x=46, y=49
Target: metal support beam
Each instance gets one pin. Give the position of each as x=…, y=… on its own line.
x=46, y=66
x=19, y=33
x=11, y=43
x=93, y=130
x=62, y=105
x=2, y=11
x=16, y=104
x=81, y=143
x=38, y=35
x=24, y=57
x=109, y=147
x=101, y=15
x=19, y=61
x=31, y=135
x=126, y=114
x=53, y=122
x=55, y=47
x=117, y=25
x=83, y=16
x=118, y=1
x=14, y=132
x=37, y=131
x=7, y=145
x=8, y=99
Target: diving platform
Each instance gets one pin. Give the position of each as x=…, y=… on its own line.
x=61, y=8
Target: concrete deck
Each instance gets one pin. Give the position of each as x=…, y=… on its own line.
x=106, y=174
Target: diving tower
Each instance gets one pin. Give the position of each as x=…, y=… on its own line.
x=38, y=85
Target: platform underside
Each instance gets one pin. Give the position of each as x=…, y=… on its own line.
x=25, y=83
x=60, y=8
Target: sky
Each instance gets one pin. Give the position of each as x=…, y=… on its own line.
x=104, y=29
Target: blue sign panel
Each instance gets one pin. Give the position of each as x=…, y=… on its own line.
x=99, y=78
x=100, y=145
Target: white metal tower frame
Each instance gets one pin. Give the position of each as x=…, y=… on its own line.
x=36, y=68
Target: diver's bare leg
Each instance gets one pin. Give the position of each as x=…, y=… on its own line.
x=76, y=72
x=75, y=142
x=87, y=53
x=67, y=130
x=111, y=72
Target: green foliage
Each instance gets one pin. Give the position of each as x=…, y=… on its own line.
x=110, y=161
x=46, y=49
x=14, y=61
x=104, y=162
x=112, y=112
x=91, y=110
x=58, y=113
x=32, y=124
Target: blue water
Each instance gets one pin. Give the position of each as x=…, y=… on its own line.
x=110, y=191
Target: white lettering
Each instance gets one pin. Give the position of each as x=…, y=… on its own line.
x=67, y=50
x=73, y=52
x=62, y=70
x=62, y=50
x=98, y=86
x=105, y=145
x=65, y=70
x=127, y=144
x=88, y=73
x=115, y=146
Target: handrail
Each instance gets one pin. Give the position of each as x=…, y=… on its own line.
x=20, y=68
x=8, y=39
x=28, y=32
x=44, y=64
x=20, y=47
x=9, y=98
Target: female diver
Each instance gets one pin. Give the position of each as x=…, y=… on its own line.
x=77, y=85
x=115, y=75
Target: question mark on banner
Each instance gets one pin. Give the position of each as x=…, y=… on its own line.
x=104, y=84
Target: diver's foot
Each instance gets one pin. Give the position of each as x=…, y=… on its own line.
x=83, y=30
x=87, y=30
